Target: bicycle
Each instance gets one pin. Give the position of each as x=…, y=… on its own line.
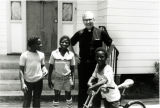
x=126, y=84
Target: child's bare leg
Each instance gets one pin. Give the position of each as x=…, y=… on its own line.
x=68, y=99
x=56, y=98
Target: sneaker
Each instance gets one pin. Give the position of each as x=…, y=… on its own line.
x=55, y=104
x=69, y=103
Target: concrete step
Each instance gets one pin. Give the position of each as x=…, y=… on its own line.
x=14, y=85
x=9, y=58
x=9, y=62
x=44, y=93
x=48, y=95
x=9, y=74
x=13, y=65
x=12, y=62
x=10, y=83
x=13, y=74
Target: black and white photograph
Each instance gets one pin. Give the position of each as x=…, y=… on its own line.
x=79, y=53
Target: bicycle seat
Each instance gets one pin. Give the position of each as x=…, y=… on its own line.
x=126, y=84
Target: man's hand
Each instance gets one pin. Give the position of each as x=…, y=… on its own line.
x=24, y=88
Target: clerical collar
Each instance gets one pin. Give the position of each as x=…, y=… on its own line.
x=89, y=30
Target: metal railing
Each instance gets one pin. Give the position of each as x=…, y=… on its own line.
x=113, y=57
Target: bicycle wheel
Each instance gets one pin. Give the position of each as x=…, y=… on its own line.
x=135, y=104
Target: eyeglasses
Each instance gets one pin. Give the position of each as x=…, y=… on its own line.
x=87, y=20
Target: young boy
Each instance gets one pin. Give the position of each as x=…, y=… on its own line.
x=62, y=64
x=110, y=92
x=32, y=71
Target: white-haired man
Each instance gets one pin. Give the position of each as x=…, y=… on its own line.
x=89, y=39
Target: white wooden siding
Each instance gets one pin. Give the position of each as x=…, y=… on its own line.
x=134, y=27
x=134, y=35
x=139, y=49
x=3, y=27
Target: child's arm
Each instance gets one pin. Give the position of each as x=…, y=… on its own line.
x=50, y=84
x=90, y=81
x=44, y=70
x=21, y=76
x=72, y=73
x=72, y=70
x=98, y=84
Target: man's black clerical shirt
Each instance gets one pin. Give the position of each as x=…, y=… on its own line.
x=89, y=41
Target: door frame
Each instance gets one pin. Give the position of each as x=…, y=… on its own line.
x=11, y=26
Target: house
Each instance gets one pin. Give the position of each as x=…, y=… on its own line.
x=132, y=24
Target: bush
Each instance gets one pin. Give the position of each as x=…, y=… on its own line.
x=156, y=76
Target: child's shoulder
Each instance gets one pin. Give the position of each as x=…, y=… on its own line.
x=108, y=67
x=54, y=51
x=24, y=53
x=40, y=53
x=71, y=53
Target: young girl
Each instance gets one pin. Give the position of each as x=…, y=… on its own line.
x=104, y=73
x=62, y=64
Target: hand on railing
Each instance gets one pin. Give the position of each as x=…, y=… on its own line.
x=110, y=49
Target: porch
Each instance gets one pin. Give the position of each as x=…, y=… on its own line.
x=10, y=84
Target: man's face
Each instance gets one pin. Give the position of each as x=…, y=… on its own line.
x=88, y=21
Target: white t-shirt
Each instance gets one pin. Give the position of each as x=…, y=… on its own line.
x=32, y=63
x=113, y=94
x=62, y=63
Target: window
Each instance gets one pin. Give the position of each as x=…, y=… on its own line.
x=67, y=12
x=16, y=10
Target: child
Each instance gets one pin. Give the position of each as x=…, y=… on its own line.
x=62, y=64
x=32, y=71
x=104, y=73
